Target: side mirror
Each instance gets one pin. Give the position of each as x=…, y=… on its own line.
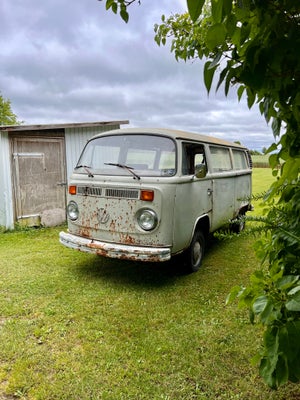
x=200, y=171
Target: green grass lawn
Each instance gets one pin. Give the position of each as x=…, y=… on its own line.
x=262, y=179
x=77, y=326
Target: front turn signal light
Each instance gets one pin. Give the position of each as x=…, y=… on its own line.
x=72, y=189
x=147, y=195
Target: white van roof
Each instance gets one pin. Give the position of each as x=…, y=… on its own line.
x=175, y=134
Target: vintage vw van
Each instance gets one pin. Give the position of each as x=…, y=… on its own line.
x=150, y=194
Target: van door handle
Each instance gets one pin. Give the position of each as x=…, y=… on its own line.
x=209, y=192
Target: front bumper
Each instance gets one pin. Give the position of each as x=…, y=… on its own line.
x=115, y=250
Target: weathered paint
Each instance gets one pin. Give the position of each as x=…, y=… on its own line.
x=115, y=250
x=113, y=219
x=108, y=206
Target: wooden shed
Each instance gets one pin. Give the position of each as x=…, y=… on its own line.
x=35, y=164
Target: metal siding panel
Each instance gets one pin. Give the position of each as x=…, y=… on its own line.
x=6, y=203
x=76, y=138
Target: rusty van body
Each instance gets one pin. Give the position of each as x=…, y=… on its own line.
x=150, y=194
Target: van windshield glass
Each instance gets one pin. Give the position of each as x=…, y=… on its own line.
x=146, y=155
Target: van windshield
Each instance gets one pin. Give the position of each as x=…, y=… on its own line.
x=145, y=155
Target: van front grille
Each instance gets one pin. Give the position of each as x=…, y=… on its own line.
x=122, y=193
x=89, y=191
x=107, y=192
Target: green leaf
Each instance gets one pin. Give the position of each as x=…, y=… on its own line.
x=294, y=303
x=208, y=75
x=124, y=15
x=240, y=92
x=222, y=77
x=216, y=10
x=235, y=292
x=269, y=361
x=216, y=35
x=276, y=126
x=257, y=279
x=260, y=304
x=229, y=76
x=273, y=160
x=108, y=4
x=195, y=8
x=231, y=24
x=293, y=329
x=215, y=61
x=227, y=7
x=114, y=7
x=282, y=370
x=273, y=147
x=271, y=341
x=250, y=97
x=286, y=282
x=296, y=289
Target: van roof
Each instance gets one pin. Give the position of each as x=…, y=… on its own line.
x=175, y=134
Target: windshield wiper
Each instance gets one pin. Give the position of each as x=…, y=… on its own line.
x=130, y=169
x=86, y=168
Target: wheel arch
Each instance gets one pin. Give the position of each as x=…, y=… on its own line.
x=203, y=224
x=244, y=209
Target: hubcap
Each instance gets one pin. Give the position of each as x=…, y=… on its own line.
x=196, y=253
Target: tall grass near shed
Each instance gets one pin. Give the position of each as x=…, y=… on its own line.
x=260, y=161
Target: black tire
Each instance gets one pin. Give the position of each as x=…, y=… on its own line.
x=194, y=254
x=239, y=224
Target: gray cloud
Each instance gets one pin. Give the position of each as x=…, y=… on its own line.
x=78, y=63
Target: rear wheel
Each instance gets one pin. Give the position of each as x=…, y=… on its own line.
x=194, y=254
x=239, y=224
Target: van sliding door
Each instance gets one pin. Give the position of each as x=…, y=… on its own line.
x=223, y=185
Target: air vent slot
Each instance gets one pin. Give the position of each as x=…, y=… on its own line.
x=89, y=191
x=122, y=193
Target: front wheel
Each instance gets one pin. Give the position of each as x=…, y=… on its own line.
x=194, y=254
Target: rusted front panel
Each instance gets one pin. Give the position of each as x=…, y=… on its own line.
x=108, y=213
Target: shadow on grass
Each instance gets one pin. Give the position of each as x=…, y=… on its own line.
x=142, y=274
x=121, y=272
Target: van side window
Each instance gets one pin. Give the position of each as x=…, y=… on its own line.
x=239, y=159
x=220, y=158
x=193, y=158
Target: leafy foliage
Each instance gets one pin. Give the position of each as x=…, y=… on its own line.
x=7, y=117
x=120, y=6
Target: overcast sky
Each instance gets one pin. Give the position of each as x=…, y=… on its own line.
x=65, y=61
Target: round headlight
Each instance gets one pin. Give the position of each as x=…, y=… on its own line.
x=147, y=219
x=72, y=210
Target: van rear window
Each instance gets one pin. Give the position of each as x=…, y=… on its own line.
x=220, y=159
x=239, y=159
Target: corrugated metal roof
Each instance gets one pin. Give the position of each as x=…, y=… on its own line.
x=16, y=128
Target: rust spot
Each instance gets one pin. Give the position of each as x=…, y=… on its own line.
x=127, y=239
x=85, y=232
x=112, y=226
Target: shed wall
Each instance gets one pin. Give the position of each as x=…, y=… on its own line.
x=6, y=201
x=75, y=139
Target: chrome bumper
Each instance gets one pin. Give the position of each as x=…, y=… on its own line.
x=114, y=250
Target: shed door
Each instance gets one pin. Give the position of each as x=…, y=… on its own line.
x=39, y=180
